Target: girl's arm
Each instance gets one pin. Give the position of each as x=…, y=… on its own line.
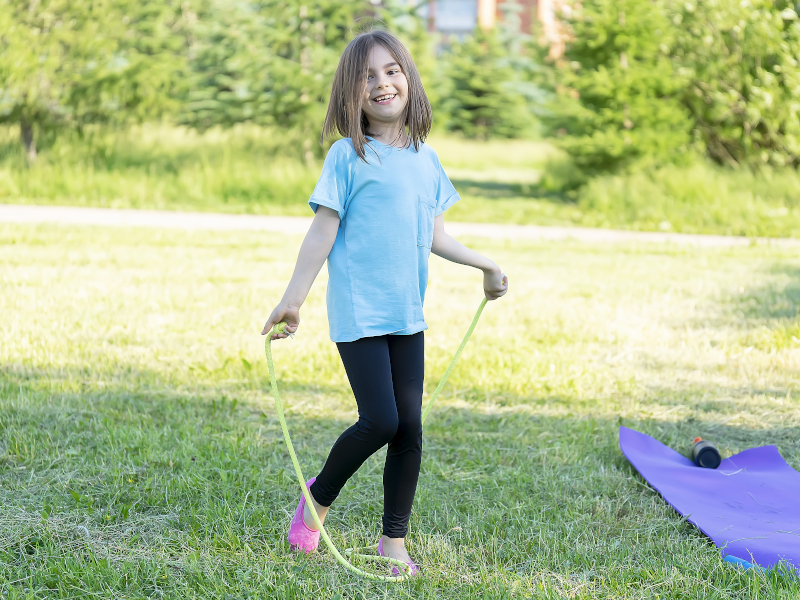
x=495, y=284
x=315, y=249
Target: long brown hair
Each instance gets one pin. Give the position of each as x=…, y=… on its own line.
x=345, y=115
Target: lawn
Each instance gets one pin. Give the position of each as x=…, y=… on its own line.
x=252, y=170
x=141, y=456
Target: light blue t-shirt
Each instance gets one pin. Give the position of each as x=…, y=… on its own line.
x=378, y=266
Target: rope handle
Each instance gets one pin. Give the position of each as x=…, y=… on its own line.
x=406, y=569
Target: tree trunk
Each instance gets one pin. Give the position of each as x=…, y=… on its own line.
x=26, y=132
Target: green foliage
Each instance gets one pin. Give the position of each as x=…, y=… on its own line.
x=741, y=59
x=272, y=62
x=213, y=62
x=617, y=95
x=268, y=62
x=637, y=80
x=66, y=64
x=482, y=96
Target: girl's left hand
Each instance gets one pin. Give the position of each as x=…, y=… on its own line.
x=495, y=284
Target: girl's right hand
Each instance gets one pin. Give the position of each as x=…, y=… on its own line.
x=288, y=314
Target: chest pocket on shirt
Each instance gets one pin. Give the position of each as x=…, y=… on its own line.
x=426, y=208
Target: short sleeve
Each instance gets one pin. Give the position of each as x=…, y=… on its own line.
x=446, y=194
x=333, y=187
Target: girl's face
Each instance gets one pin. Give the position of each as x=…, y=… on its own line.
x=386, y=89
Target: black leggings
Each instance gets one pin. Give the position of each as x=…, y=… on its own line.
x=386, y=374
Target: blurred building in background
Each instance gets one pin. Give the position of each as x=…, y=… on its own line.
x=461, y=17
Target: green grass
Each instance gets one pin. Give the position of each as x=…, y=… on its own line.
x=251, y=170
x=141, y=456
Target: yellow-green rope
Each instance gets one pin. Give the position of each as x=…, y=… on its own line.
x=279, y=328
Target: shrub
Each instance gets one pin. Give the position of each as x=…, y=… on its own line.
x=616, y=95
x=741, y=59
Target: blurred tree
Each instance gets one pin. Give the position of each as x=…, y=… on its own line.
x=742, y=62
x=69, y=63
x=520, y=56
x=617, y=97
x=482, y=94
x=272, y=62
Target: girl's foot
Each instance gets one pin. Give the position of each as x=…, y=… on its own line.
x=396, y=548
x=302, y=537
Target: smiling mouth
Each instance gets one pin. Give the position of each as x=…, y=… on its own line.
x=385, y=99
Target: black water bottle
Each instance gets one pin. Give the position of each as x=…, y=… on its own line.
x=705, y=454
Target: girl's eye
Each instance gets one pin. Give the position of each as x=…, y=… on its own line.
x=389, y=72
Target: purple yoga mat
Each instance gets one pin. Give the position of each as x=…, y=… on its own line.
x=749, y=506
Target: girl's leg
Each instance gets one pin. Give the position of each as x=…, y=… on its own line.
x=403, y=458
x=368, y=368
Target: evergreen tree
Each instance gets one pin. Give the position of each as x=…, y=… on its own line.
x=272, y=62
x=617, y=97
x=69, y=63
x=482, y=95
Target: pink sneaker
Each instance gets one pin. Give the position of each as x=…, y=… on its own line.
x=395, y=570
x=301, y=537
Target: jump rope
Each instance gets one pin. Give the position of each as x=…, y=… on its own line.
x=352, y=552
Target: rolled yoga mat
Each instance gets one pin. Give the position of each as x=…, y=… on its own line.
x=749, y=506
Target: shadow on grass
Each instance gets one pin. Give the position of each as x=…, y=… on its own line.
x=767, y=313
x=494, y=190
x=491, y=189
x=176, y=482
x=777, y=301
x=41, y=423
x=134, y=397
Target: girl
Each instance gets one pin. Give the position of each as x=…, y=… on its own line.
x=378, y=215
